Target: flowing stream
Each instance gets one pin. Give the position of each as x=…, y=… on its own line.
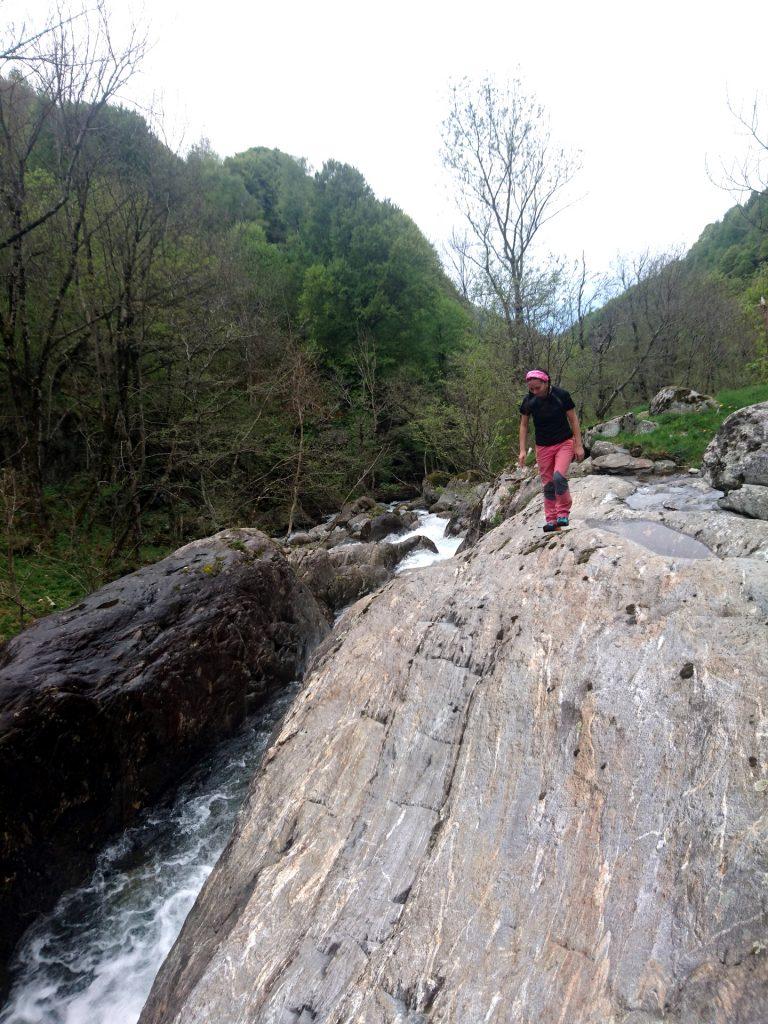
x=93, y=959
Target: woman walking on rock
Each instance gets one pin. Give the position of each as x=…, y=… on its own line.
x=558, y=442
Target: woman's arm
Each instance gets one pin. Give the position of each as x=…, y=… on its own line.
x=578, y=447
x=523, y=440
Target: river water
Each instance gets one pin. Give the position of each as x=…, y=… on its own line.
x=94, y=958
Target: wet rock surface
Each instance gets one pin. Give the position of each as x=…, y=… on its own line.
x=525, y=785
x=104, y=705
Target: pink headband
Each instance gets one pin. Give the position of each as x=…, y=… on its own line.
x=537, y=375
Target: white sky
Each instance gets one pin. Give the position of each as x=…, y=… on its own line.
x=640, y=88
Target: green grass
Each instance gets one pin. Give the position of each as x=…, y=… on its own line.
x=50, y=578
x=684, y=437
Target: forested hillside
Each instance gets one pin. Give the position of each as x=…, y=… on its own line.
x=191, y=342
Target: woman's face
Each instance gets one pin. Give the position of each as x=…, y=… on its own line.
x=537, y=387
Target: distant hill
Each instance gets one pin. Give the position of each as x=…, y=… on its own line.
x=737, y=245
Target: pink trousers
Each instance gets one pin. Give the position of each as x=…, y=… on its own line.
x=553, y=461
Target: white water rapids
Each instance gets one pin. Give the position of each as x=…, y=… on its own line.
x=93, y=959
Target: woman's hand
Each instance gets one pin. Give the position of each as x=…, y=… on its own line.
x=578, y=452
x=521, y=458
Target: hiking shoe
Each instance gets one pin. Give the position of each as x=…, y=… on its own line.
x=562, y=520
x=551, y=528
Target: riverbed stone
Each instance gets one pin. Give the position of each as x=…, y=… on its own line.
x=103, y=706
x=528, y=784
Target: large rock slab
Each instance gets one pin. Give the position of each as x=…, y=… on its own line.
x=104, y=705
x=525, y=785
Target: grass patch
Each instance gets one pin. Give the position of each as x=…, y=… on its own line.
x=53, y=578
x=685, y=436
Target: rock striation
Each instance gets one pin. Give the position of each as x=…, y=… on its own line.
x=528, y=784
x=106, y=704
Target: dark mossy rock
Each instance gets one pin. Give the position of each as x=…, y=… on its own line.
x=105, y=705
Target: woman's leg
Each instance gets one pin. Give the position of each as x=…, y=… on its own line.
x=562, y=459
x=545, y=460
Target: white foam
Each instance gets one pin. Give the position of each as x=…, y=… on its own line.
x=94, y=958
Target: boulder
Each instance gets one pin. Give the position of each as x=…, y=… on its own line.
x=526, y=785
x=626, y=424
x=680, y=400
x=459, y=496
x=348, y=572
x=646, y=427
x=357, y=523
x=103, y=706
x=509, y=493
x=296, y=540
x=600, y=448
x=738, y=453
x=382, y=526
x=664, y=467
x=621, y=464
x=750, y=500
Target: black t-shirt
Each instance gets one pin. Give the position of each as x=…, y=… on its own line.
x=549, y=420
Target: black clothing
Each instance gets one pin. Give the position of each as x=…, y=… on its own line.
x=549, y=420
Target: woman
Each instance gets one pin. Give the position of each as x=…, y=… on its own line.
x=558, y=442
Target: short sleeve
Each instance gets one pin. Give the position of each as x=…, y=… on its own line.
x=524, y=410
x=567, y=401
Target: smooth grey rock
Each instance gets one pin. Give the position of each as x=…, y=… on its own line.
x=524, y=785
x=750, y=500
x=620, y=464
x=680, y=400
x=105, y=705
x=600, y=448
x=664, y=467
x=739, y=449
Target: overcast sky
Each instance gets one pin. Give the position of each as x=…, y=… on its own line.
x=641, y=89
